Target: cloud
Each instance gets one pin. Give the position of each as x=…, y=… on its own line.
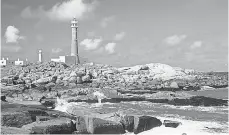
x=12, y=35
x=196, y=44
x=56, y=50
x=119, y=36
x=104, y=22
x=175, y=39
x=91, y=44
x=110, y=47
x=62, y=11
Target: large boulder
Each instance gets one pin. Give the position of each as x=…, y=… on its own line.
x=144, y=123
x=54, y=126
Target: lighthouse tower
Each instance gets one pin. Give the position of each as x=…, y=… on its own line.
x=74, y=44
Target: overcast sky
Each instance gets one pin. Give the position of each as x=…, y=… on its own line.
x=180, y=33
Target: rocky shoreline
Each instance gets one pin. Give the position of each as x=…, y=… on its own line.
x=48, y=83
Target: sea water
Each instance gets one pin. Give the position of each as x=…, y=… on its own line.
x=196, y=120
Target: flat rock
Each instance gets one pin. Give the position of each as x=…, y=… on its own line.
x=54, y=126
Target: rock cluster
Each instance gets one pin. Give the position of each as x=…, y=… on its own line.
x=141, y=77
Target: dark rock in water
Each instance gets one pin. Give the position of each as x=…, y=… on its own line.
x=54, y=126
x=207, y=101
x=128, y=123
x=144, y=123
x=3, y=98
x=13, y=130
x=100, y=126
x=48, y=102
x=199, y=101
x=173, y=124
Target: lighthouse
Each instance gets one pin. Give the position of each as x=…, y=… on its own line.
x=74, y=44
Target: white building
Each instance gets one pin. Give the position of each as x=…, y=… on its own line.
x=40, y=56
x=3, y=62
x=7, y=62
x=19, y=62
x=66, y=59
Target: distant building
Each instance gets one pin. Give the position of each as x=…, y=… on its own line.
x=10, y=62
x=19, y=62
x=69, y=60
x=3, y=62
x=7, y=62
x=40, y=56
